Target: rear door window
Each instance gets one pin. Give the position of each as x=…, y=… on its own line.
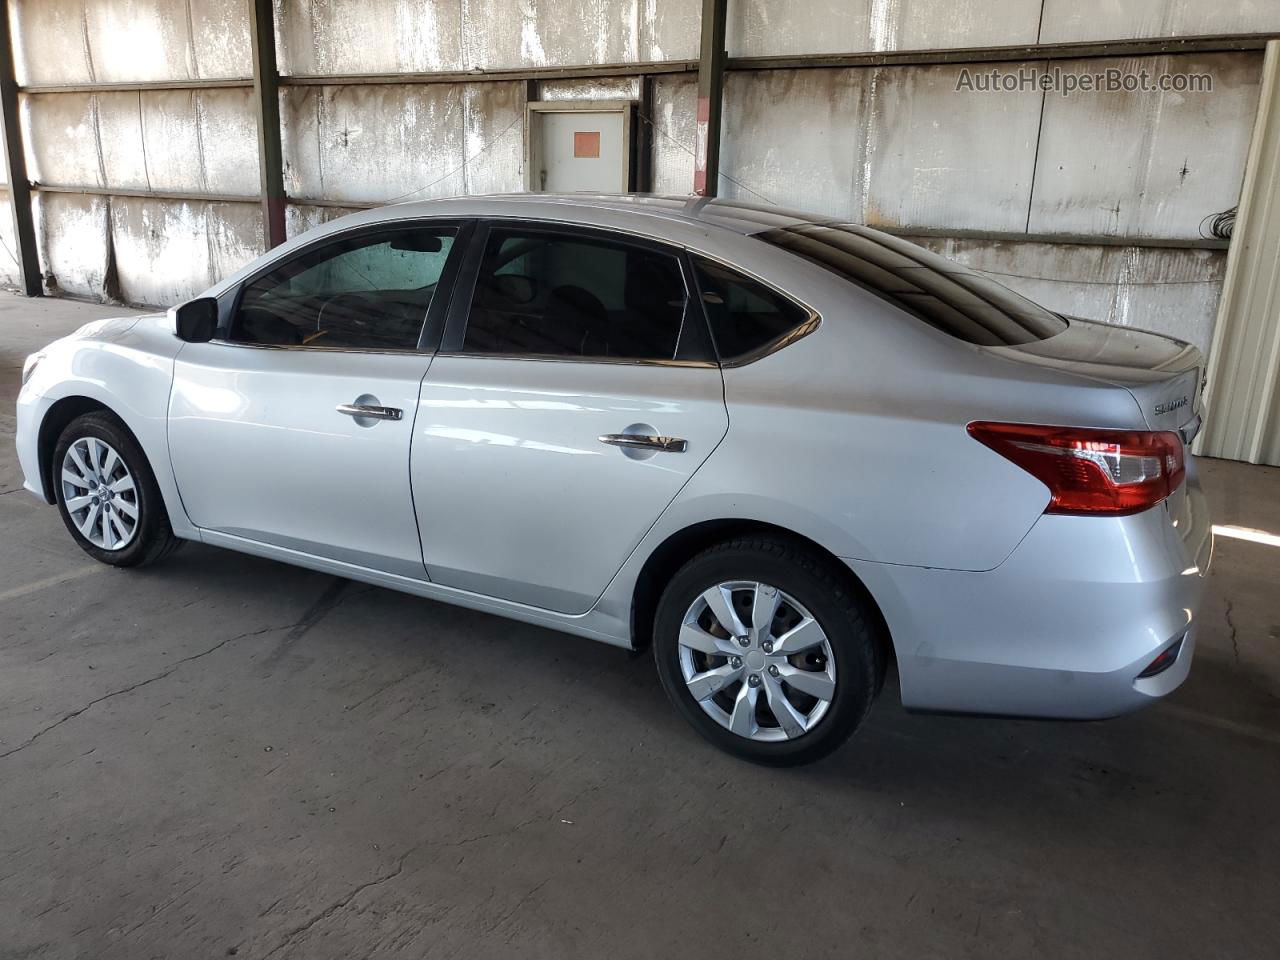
x=547, y=293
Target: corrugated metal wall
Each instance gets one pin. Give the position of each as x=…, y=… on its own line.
x=1108, y=191
x=1243, y=422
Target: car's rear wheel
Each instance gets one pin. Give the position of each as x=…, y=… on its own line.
x=107, y=494
x=768, y=651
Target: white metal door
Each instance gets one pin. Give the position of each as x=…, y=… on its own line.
x=580, y=150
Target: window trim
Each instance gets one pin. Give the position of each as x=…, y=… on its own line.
x=432, y=320
x=798, y=332
x=455, y=326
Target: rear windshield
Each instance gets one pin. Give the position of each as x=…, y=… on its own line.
x=941, y=292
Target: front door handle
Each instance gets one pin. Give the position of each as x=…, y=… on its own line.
x=646, y=442
x=370, y=410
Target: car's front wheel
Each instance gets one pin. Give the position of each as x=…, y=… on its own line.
x=768, y=651
x=107, y=494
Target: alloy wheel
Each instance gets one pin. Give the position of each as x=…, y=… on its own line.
x=756, y=661
x=100, y=494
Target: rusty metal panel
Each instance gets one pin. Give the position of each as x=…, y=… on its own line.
x=673, y=125
x=1108, y=20
x=1145, y=164
x=116, y=41
x=371, y=144
x=1173, y=291
x=168, y=251
x=761, y=28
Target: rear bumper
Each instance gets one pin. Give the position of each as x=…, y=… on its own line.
x=1064, y=626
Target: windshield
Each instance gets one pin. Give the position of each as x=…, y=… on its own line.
x=941, y=292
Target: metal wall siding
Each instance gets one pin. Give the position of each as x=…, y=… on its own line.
x=1145, y=164
x=1243, y=421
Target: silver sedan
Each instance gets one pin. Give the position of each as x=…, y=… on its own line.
x=782, y=450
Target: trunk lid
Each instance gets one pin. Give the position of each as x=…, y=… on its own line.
x=1163, y=374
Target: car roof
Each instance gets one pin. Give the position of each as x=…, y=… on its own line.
x=735, y=215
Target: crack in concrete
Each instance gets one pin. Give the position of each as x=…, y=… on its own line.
x=339, y=904
x=1235, y=646
x=134, y=686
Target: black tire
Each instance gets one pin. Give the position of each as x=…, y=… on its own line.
x=853, y=628
x=153, y=539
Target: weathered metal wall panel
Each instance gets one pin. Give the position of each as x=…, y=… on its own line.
x=372, y=144
x=10, y=275
x=932, y=153
x=1068, y=20
x=1145, y=164
x=117, y=41
x=386, y=36
x=166, y=251
x=777, y=27
x=601, y=88
x=74, y=243
x=301, y=217
x=903, y=147
x=1174, y=291
x=889, y=146
x=1243, y=419
x=807, y=156
x=368, y=36
x=674, y=117
x=178, y=140
x=781, y=27
x=60, y=138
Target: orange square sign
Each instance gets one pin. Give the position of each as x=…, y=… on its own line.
x=586, y=143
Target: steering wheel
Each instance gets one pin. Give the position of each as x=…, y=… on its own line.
x=356, y=299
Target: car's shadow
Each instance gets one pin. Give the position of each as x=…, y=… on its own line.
x=1000, y=771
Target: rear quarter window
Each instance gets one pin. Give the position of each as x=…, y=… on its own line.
x=747, y=318
x=944, y=294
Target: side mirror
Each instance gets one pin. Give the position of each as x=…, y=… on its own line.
x=196, y=320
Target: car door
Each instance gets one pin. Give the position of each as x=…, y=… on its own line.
x=293, y=426
x=574, y=395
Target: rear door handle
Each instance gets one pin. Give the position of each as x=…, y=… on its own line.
x=645, y=442
x=370, y=410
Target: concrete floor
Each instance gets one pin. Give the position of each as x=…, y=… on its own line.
x=226, y=756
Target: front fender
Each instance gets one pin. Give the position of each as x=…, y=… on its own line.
x=125, y=366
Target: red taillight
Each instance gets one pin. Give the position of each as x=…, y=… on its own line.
x=1089, y=471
